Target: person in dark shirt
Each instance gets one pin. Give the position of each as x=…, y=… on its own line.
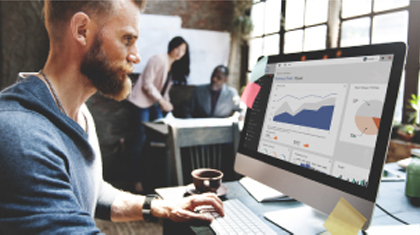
x=215, y=99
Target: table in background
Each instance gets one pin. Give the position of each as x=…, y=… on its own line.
x=391, y=197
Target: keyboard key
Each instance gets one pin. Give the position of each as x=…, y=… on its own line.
x=238, y=219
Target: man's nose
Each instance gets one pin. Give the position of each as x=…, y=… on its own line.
x=134, y=55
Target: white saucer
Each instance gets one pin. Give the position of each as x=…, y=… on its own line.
x=221, y=191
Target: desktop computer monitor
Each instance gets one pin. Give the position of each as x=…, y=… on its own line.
x=319, y=127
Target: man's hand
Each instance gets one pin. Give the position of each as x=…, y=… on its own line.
x=183, y=210
x=165, y=105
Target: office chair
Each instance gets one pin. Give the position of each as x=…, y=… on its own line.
x=202, y=147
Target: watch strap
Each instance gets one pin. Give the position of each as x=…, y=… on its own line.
x=146, y=211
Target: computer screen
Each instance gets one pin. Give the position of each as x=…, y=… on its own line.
x=319, y=127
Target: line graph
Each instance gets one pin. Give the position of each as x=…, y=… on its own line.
x=306, y=96
x=311, y=110
x=304, y=116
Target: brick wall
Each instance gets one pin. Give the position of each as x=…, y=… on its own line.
x=24, y=40
x=198, y=14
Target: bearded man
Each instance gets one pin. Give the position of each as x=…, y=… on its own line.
x=50, y=162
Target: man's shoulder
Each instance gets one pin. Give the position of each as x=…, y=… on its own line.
x=232, y=90
x=23, y=123
x=201, y=90
x=24, y=109
x=158, y=58
x=26, y=135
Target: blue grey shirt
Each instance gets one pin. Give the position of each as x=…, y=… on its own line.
x=50, y=168
x=200, y=103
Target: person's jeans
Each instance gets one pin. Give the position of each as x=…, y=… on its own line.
x=139, y=138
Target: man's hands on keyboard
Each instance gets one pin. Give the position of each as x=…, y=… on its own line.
x=207, y=210
x=238, y=220
x=184, y=210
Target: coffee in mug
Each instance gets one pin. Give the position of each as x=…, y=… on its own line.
x=206, y=179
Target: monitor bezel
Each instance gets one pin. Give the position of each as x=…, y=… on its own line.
x=369, y=193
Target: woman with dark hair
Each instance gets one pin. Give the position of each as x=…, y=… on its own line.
x=150, y=94
x=181, y=68
x=151, y=91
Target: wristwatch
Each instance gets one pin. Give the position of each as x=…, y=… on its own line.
x=146, y=211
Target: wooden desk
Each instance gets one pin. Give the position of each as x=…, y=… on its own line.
x=391, y=197
x=190, y=132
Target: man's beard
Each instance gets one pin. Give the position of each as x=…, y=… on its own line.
x=110, y=79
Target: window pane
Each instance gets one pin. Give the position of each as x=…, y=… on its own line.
x=355, y=7
x=257, y=17
x=293, y=41
x=382, y=5
x=316, y=11
x=294, y=14
x=272, y=45
x=355, y=32
x=272, y=16
x=315, y=38
x=390, y=27
x=255, y=51
x=400, y=101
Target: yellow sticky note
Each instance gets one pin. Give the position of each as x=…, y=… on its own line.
x=344, y=219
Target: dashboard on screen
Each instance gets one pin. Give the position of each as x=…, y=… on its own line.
x=321, y=116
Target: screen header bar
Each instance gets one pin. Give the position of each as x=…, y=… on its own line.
x=362, y=59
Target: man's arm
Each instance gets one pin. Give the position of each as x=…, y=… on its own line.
x=128, y=207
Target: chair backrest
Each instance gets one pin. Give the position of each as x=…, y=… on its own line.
x=202, y=147
x=179, y=95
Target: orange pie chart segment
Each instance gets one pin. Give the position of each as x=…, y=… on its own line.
x=377, y=121
x=367, y=125
x=367, y=117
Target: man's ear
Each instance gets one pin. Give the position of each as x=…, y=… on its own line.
x=79, y=27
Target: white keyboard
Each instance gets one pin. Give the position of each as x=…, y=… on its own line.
x=238, y=219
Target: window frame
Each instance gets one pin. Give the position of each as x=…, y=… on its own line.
x=333, y=40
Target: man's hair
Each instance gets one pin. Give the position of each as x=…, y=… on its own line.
x=59, y=12
x=222, y=68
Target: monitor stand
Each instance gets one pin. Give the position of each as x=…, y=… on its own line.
x=300, y=220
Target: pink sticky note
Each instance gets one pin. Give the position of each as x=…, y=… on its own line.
x=250, y=93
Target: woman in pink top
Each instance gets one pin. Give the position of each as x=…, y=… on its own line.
x=150, y=94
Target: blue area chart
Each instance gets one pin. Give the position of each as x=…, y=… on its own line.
x=309, y=114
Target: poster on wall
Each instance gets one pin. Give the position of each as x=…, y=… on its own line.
x=207, y=48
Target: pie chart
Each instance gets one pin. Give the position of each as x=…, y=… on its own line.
x=368, y=117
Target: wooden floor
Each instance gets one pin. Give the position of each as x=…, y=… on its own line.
x=127, y=228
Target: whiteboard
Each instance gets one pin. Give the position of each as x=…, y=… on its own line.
x=207, y=48
x=155, y=33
